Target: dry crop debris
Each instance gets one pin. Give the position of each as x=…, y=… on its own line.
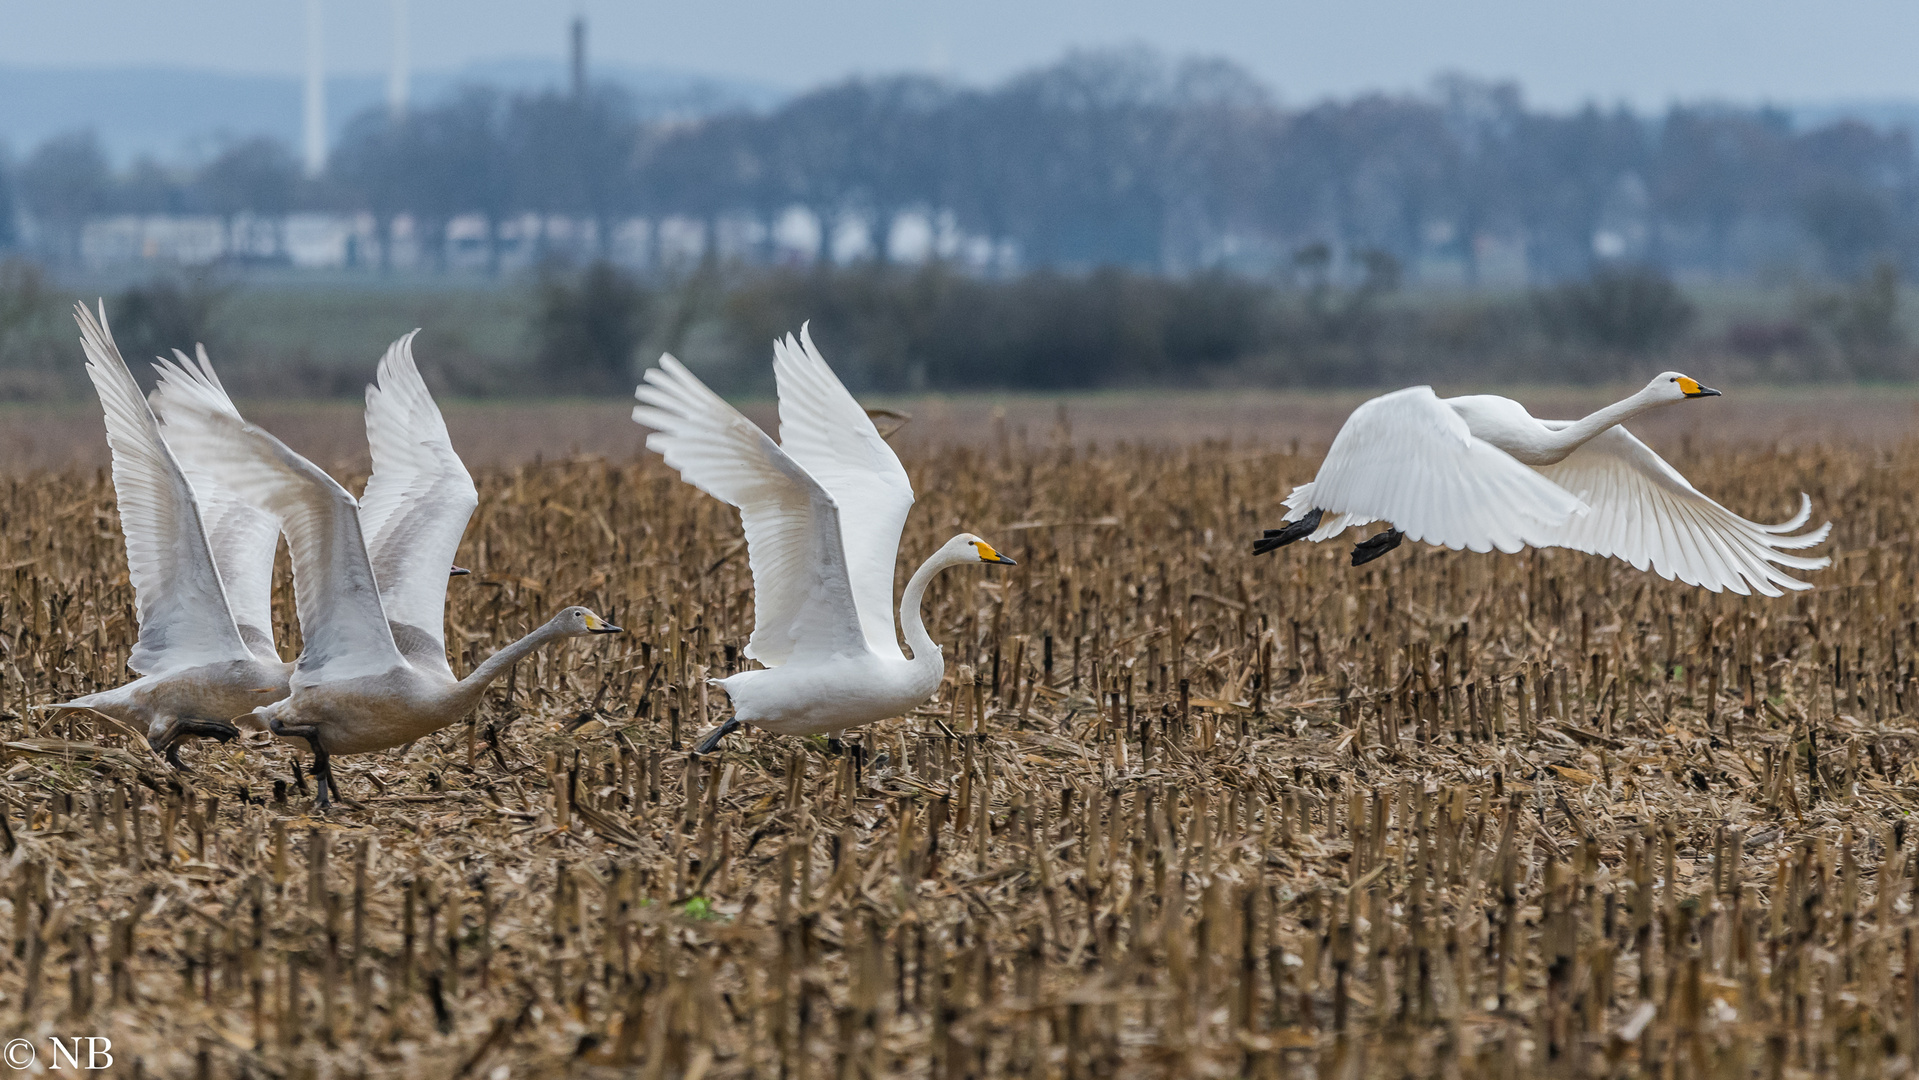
x=1177, y=812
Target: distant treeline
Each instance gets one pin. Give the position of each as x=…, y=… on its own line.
x=929, y=328
x=899, y=329
x=1104, y=159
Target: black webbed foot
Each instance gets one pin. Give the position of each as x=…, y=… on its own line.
x=708, y=744
x=323, y=786
x=1298, y=530
x=199, y=729
x=1376, y=545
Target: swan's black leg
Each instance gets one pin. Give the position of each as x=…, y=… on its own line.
x=322, y=761
x=856, y=750
x=183, y=728
x=1298, y=530
x=711, y=741
x=1376, y=545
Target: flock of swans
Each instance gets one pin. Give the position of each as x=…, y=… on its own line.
x=204, y=497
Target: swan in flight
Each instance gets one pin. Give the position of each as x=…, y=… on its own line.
x=369, y=578
x=822, y=509
x=1480, y=472
x=201, y=562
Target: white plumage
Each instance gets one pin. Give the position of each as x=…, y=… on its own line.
x=822, y=510
x=1481, y=473
x=370, y=590
x=201, y=563
x=415, y=506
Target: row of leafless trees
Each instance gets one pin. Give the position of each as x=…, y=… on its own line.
x=1115, y=158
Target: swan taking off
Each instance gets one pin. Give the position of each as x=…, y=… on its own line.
x=201, y=563
x=1480, y=472
x=822, y=510
x=369, y=577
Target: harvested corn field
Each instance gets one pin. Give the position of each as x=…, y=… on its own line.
x=1176, y=812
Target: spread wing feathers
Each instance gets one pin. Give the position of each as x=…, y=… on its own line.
x=178, y=596
x=1408, y=458
x=341, y=620
x=416, y=505
x=1645, y=512
x=803, y=602
x=833, y=439
x=243, y=536
x=1300, y=503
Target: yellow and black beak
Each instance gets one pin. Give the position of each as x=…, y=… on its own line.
x=988, y=554
x=1691, y=388
x=597, y=625
x=458, y=571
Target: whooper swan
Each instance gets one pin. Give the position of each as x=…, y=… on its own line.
x=201, y=562
x=369, y=581
x=1480, y=472
x=822, y=511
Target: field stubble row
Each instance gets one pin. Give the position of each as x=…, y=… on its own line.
x=1176, y=811
x=507, y=433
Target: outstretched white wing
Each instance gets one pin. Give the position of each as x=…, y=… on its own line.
x=416, y=505
x=1644, y=512
x=803, y=603
x=1409, y=459
x=243, y=536
x=185, y=620
x=830, y=435
x=341, y=621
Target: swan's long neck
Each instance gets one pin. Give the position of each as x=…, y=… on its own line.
x=924, y=650
x=496, y=665
x=1578, y=433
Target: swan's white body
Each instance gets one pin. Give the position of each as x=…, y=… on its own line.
x=822, y=510
x=369, y=576
x=1481, y=473
x=817, y=694
x=200, y=560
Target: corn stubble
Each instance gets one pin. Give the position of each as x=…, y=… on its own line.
x=1177, y=811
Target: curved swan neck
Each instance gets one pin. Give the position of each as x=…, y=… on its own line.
x=910, y=600
x=1580, y=432
x=496, y=665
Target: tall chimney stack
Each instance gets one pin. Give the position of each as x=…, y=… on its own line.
x=579, y=57
x=313, y=132
x=400, y=77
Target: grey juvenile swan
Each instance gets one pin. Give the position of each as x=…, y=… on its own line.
x=368, y=577
x=201, y=562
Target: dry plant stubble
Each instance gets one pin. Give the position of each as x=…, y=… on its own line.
x=1176, y=812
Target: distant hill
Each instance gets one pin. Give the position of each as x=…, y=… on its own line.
x=173, y=113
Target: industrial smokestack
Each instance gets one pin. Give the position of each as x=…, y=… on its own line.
x=579, y=57
x=314, y=126
x=398, y=79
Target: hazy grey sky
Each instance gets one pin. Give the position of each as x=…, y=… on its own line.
x=1644, y=51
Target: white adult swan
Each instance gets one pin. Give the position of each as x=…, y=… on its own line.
x=822, y=511
x=201, y=563
x=1480, y=472
x=368, y=577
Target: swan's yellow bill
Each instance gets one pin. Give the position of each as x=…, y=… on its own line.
x=1691, y=388
x=597, y=625
x=987, y=554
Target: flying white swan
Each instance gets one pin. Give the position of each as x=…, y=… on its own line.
x=822, y=511
x=201, y=563
x=1480, y=472
x=368, y=577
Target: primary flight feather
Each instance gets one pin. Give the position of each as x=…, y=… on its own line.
x=822, y=509
x=1481, y=473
